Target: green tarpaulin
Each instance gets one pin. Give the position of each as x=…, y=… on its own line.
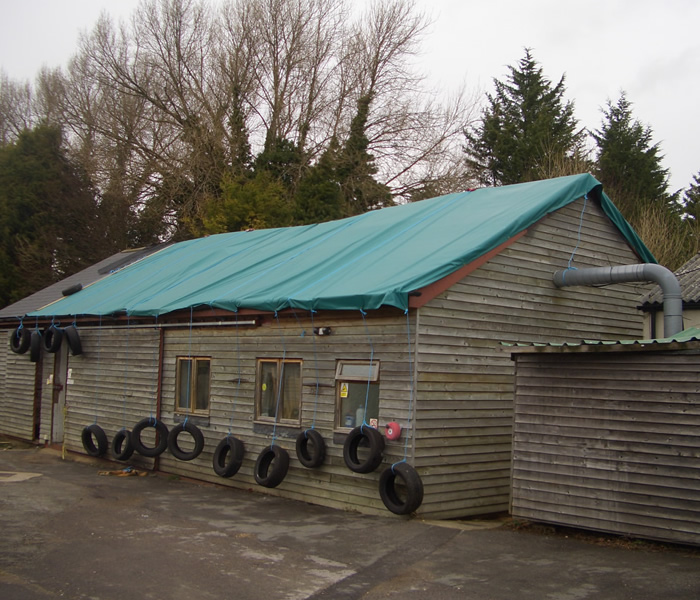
x=364, y=262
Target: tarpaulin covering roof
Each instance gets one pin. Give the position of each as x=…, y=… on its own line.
x=359, y=263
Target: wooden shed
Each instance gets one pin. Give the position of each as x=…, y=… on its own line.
x=390, y=318
x=606, y=436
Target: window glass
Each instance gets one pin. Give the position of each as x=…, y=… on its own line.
x=270, y=373
x=192, y=389
x=357, y=384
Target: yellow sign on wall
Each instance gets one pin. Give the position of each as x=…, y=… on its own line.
x=343, y=390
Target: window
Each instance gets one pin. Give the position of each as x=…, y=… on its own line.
x=357, y=384
x=192, y=391
x=278, y=385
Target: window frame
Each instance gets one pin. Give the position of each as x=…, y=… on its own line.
x=259, y=417
x=192, y=409
x=341, y=377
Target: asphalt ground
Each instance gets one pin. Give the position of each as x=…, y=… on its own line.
x=68, y=532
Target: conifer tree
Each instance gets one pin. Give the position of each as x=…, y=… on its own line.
x=526, y=125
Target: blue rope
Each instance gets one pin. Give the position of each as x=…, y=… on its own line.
x=413, y=386
x=280, y=381
x=156, y=347
x=580, y=227
x=369, y=370
x=99, y=352
x=126, y=370
x=238, y=383
x=313, y=337
x=189, y=372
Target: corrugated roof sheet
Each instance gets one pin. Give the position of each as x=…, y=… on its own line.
x=688, y=278
x=85, y=277
x=364, y=262
x=692, y=334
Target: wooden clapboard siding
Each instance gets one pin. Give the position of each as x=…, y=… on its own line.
x=114, y=383
x=333, y=484
x=609, y=441
x=17, y=404
x=465, y=379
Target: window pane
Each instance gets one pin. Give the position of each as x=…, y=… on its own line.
x=184, y=383
x=352, y=405
x=358, y=371
x=291, y=391
x=268, y=388
x=202, y=385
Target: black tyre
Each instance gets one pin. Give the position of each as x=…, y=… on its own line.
x=365, y=436
x=161, y=437
x=73, y=289
x=20, y=340
x=228, y=456
x=411, y=495
x=122, y=446
x=52, y=338
x=94, y=440
x=311, y=449
x=73, y=339
x=272, y=466
x=196, y=434
x=35, y=346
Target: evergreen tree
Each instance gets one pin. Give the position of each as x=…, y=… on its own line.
x=691, y=199
x=628, y=163
x=49, y=223
x=319, y=195
x=356, y=168
x=526, y=126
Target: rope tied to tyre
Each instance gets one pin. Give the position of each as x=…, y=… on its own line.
x=272, y=463
x=364, y=434
x=122, y=443
x=191, y=428
x=228, y=455
x=312, y=455
x=93, y=436
x=412, y=496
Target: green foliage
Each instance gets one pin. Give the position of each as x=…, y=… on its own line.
x=258, y=202
x=319, y=196
x=628, y=163
x=49, y=223
x=691, y=199
x=526, y=125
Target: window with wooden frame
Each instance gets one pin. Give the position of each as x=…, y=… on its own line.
x=357, y=387
x=192, y=385
x=278, y=391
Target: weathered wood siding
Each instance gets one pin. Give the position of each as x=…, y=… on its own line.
x=465, y=379
x=609, y=441
x=17, y=403
x=113, y=383
x=333, y=484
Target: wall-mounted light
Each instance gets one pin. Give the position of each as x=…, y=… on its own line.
x=322, y=330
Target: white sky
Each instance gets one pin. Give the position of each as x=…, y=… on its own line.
x=649, y=48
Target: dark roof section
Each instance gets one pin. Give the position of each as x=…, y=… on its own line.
x=688, y=277
x=85, y=277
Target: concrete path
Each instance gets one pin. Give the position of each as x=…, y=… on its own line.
x=69, y=533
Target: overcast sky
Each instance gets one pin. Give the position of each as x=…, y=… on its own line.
x=648, y=48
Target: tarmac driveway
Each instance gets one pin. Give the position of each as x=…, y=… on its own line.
x=69, y=533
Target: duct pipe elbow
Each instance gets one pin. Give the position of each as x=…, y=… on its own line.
x=673, y=303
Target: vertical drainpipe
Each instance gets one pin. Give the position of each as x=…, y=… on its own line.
x=673, y=303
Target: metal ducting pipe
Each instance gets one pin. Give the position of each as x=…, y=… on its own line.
x=673, y=303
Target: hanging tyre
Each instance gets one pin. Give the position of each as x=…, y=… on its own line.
x=20, y=339
x=73, y=339
x=272, y=466
x=35, y=346
x=410, y=496
x=52, y=339
x=311, y=449
x=122, y=446
x=228, y=456
x=197, y=436
x=365, y=436
x=161, y=437
x=94, y=440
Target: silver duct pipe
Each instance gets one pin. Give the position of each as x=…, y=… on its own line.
x=673, y=303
